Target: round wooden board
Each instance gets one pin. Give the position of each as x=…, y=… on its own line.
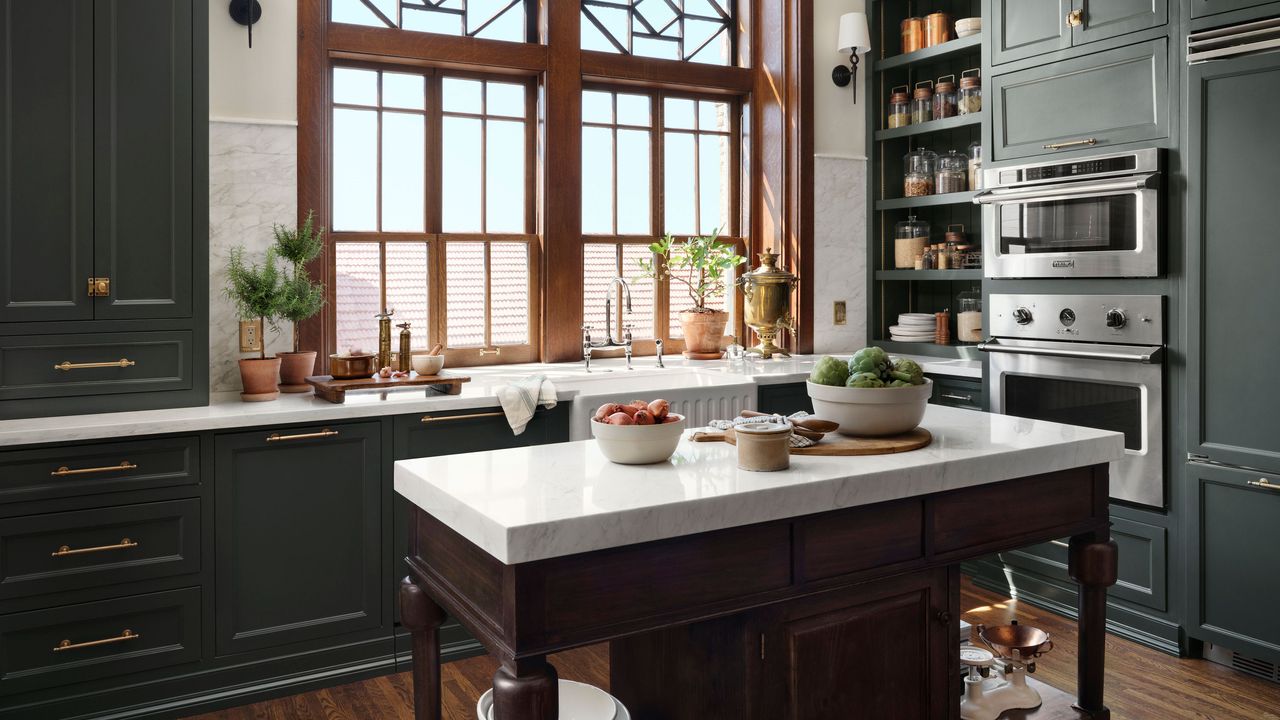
x=834, y=444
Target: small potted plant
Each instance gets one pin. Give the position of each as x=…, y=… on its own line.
x=301, y=298
x=256, y=291
x=702, y=265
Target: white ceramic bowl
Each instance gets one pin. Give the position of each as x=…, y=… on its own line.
x=968, y=26
x=578, y=701
x=638, y=444
x=871, y=412
x=426, y=364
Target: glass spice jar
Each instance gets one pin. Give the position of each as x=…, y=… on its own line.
x=975, y=166
x=952, y=173
x=912, y=34
x=969, y=100
x=944, y=97
x=918, y=168
x=899, y=107
x=909, y=239
x=922, y=103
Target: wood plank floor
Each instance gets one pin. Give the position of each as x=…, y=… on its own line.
x=1142, y=684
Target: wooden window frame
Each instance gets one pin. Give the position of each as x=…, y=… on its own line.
x=773, y=79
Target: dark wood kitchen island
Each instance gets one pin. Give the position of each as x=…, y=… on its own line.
x=830, y=590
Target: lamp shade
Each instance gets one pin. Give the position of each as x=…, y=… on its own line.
x=855, y=37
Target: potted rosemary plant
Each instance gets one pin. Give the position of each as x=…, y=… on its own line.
x=256, y=291
x=703, y=266
x=301, y=298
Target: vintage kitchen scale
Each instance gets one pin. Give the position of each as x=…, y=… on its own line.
x=1014, y=649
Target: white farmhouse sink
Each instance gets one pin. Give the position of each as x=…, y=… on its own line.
x=700, y=397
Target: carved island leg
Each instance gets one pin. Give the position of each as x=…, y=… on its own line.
x=423, y=617
x=526, y=689
x=1092, y=564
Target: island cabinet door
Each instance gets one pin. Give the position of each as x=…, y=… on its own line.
x=873, y=651
x=299, y=535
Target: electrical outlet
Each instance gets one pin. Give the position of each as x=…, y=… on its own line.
x=250, y=335
x=838, y=313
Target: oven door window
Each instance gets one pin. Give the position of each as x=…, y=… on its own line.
x=1074, y=402
x=1086, y=224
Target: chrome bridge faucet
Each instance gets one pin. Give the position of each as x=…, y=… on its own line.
x=589, y=345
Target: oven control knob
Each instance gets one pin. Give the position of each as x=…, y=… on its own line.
x=1116, y=318
x=1022, y=316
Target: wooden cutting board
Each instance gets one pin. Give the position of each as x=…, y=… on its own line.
x=335, y=391
x=841, y=445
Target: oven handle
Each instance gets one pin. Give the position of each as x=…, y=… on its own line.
x=1147, y=355
x=1063, y=191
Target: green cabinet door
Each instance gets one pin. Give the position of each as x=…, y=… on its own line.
x=1023, y=28
x=143, y=157
x=1201, y=8
x=1236, y=553
x=298, y=522
x=1102, y=19
x=1231, y=246
x=46, y=151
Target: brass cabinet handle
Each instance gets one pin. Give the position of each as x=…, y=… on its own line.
x=1264, y=483
x=64, y=470
x=449, y=418
x=1075, y=18
x=124, y=544
x=1071, y=143
x=276, y=437
x=121, y=363
x=494, y=351
x=126, y=634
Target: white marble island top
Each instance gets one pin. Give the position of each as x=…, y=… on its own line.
x=526, y=504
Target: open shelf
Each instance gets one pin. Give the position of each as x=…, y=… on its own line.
x=932, y=126
x=921, y=348
x=960, y=198
x=947, y=275
x=937, y=52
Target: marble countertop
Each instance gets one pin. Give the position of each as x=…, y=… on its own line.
x=226, y=411
x=526, y=504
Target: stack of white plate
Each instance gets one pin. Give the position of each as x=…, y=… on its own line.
x=913, y=327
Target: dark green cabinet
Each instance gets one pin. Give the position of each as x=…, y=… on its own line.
x=299, y=535
x=1201, y=8
x=958, y=392
x=1025, y=28
x=1108, y=98
x=784, y=398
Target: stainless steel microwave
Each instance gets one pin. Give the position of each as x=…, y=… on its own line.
x=1095, y=216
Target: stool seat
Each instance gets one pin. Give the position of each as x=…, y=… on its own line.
x=578, y=701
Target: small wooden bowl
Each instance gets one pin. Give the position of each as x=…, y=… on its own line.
x=350, y=367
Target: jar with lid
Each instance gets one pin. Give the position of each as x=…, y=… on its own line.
x=928, y=258
x=918, y=168
x=969, y=319
x=969, y=100
x=937, y=28
x=955, y=241
x=941, y=259
x=899, y=107
x=975, y=166
x=922, y=103
x=912, y=34
x=944, y=97
x=952, y=173
x=909, y=239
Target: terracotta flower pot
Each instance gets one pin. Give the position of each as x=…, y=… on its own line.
x=294, y=369
x=703, y=333
x=260, y=378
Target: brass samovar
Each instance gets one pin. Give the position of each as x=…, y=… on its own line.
x=767, y=303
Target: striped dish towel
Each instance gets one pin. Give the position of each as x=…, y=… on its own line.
x=521, y=399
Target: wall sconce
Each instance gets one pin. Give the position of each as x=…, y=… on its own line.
x=246, y=12
x=855, y=39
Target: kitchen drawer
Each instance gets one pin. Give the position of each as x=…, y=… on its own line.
x=847, y=541
x=958, y=392
x=52, y=366
x=76, y=643
x=78, y=470
x=1112, y=97
x=103, y=546
x=966, y=520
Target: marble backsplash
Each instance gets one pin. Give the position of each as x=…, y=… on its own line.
x=253, y=183
x=839, y=252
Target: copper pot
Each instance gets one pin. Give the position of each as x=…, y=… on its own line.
x=1028, y=641
x=350, y=367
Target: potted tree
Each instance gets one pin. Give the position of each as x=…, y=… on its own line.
x=701, y=265
x=256, y=291
x=301, y=298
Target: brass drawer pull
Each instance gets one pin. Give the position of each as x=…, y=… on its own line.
x=494, y=351
x=124, y=544
x=1072, y=143
x=472, y=416
x=64, y=470
x=1264, y=483
x=121, y=363
x=1075, y=18
x=276, y=437
x=126, y=634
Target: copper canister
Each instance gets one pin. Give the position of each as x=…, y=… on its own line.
x=912, y=34
x=937, y=29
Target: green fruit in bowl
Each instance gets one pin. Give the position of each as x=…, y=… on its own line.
x=870, y=360
x=829, y=371
x=907, y=371
x=864, y=380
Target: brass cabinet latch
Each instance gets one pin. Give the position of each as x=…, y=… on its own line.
x=99, y=287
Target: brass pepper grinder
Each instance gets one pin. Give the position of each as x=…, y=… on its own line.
x=405, y=345
x=384, y=337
